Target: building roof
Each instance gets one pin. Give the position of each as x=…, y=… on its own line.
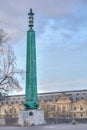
x=74, y=96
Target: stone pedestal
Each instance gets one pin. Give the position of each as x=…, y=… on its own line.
x=31, y=117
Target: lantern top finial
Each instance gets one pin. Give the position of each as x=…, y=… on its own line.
x=31, y=18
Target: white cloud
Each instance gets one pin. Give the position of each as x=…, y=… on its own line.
x=13, y=14
x=62, y=85
x=52, y=32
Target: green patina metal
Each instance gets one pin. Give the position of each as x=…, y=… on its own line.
x=31, y=77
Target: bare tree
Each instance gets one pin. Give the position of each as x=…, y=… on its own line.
x=3, y=37
x=8, y=67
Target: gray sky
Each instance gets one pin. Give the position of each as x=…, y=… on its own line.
x=61, y=40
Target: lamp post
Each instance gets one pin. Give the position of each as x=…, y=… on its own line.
x=31, y=77
x=31, y=115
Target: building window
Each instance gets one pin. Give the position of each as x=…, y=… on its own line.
x=48, y=108
x=74, y=115
x=76, y=98
x=5, y=110
x=10, y=110
x=81, y=108
x=12, y=102
x=59, y=108
x=45, y=99
x=81, y=114
x=2, y=103
x=50, y=99
x=53, y=108
x=7, y=103
x=83, y=93
x=14, y=110
x=82, y=97
x=63, y=108
x=74, y=108
x=0, y=110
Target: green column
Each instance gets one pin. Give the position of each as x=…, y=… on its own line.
x=31, y=77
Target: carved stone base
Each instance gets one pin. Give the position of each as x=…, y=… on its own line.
x=31, y=117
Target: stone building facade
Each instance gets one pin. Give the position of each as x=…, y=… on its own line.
x=68, y=104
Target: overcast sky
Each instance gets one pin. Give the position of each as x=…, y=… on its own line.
x=61, y=40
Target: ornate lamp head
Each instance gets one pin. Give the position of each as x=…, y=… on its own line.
x=31, y=18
